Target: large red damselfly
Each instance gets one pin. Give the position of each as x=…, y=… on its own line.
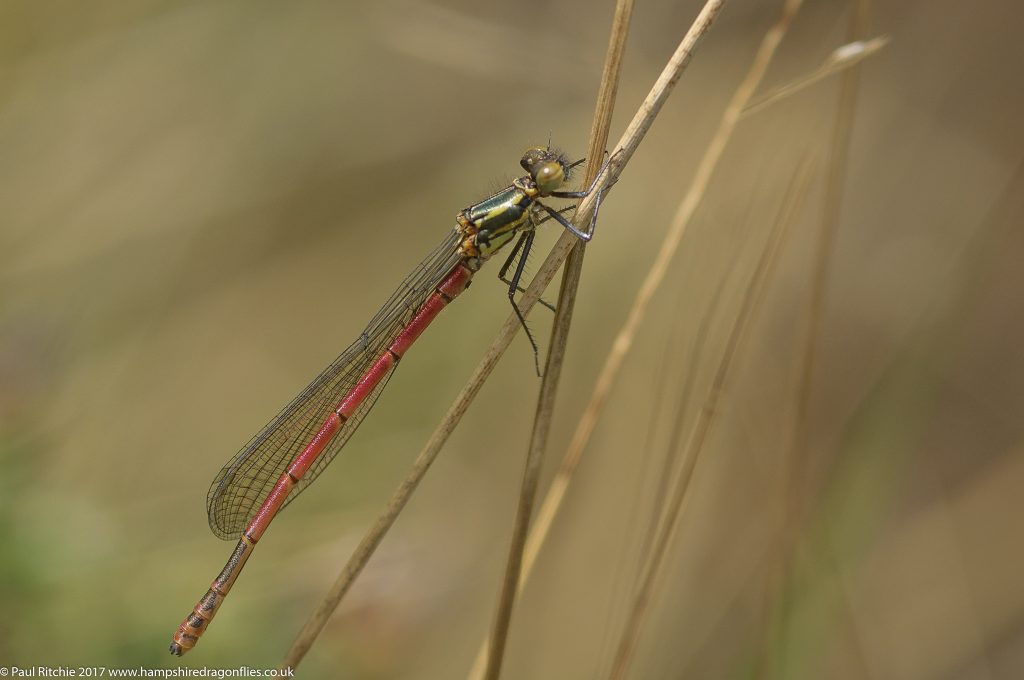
x=294, y=448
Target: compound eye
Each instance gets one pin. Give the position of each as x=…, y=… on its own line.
x=548, y=176
x=532, y=156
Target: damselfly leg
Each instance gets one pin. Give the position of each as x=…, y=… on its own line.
x=524, y=244
x=526, y=241
x=502, y=273
x=557, y=214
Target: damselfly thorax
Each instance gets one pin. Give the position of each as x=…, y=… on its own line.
x=490, y=224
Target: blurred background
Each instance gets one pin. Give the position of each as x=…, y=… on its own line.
x=204, y=202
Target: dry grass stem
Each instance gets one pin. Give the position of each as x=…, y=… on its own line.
x=836, y=176
x=627, y=145
x=556, y=353
x=842, y=58
x=672, y=510
x=624, y=339
x=794, y=462
x=695, y=358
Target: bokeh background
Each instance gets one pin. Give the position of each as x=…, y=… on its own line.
x=203, y=202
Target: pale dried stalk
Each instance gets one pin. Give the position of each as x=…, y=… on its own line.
x=570, y=283
x=793, y=493
x=635, y=132
x=837, y=163
x=730, y=118
x=672, y=511
x=843, y=57
x=556, y=352
x=624, y=339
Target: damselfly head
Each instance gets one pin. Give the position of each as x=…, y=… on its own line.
x=548, y=168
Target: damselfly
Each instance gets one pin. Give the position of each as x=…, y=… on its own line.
x=294, y=448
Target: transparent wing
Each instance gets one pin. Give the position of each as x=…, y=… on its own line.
x=242, y=485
